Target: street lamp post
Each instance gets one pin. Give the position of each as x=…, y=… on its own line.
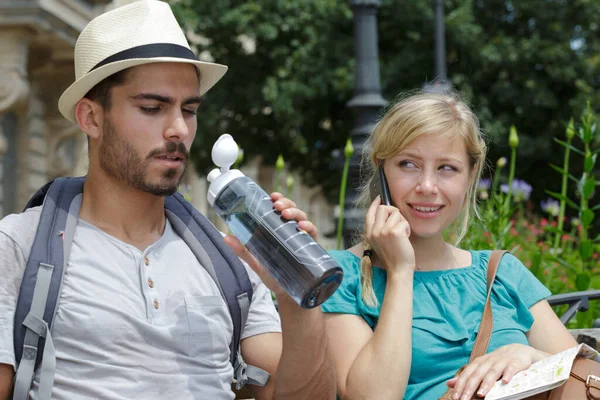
x=440, y=41
x=366, y=103
x=440, y=83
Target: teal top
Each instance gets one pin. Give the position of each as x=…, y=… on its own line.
x=447, y=309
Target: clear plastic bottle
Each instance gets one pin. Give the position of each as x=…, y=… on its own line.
x=300, y=265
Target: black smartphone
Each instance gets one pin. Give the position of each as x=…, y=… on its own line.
x=379, y=186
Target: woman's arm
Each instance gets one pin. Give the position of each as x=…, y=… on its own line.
x=375, y=365
x=545, y=320
x=506, y=361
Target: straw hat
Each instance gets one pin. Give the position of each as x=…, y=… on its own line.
x=142, y=32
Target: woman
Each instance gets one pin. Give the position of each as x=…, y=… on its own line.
x=406, y=316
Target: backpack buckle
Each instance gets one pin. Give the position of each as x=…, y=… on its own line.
x=239, y=372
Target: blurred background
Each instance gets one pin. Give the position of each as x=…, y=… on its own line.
x=307, y=75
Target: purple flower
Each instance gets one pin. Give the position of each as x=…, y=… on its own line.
x=551, y=206
x=521, y=190
x=484, y=184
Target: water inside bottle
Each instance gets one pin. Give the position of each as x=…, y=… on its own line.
x=295, y=260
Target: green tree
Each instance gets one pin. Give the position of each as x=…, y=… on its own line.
x=532, y=64
x=290, y=74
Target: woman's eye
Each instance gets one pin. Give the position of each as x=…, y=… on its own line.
x=448, y=168
x=407, y=164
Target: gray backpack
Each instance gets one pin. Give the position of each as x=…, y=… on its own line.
x=41, y=285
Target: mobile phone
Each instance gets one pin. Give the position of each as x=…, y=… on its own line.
x=379, y=186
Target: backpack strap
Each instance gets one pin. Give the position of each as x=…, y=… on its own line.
x=230, y=275
x=41, y=283
x=40, y=287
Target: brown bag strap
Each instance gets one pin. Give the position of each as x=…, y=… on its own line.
x=487, y=321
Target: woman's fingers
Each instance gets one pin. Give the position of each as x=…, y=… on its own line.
x=381, y=217
x=393, y=219
x=493, y=372
x=480, y=378
x=469, y=379
x=370, y=216
x=510, y=371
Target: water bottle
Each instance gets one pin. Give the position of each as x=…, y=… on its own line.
x=298, y=263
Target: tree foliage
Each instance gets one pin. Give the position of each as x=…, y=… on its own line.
x=529, y=63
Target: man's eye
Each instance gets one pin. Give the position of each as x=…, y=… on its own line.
x=190, y=111
x=150, y=110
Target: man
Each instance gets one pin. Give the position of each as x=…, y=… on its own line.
x=138, y=317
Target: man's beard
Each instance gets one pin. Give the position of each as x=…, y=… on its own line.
x=119, y=160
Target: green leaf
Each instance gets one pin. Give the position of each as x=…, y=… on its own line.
x=557, y=168
x=560, y=197
x=536, y=264
x=587, y=216
x=569, y=146
x=588, y=187
x=572, y=178
x=596, y=207
x=586, y=249
x=588, y=163
x=562, y=172
x=553, y=229
x=562, y=262
x=582, y=281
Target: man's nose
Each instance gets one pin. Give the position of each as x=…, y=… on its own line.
x=177, y=128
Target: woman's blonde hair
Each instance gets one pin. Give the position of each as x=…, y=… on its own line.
x=403, y=122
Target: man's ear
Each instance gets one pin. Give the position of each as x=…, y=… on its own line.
x=89, y=115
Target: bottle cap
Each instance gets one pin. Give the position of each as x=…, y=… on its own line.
x=224, y=153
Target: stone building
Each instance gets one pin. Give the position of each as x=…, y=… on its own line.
x=37, y=144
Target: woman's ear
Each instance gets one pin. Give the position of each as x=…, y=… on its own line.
x=88, y=115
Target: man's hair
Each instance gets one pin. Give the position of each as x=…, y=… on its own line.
x=101, y=92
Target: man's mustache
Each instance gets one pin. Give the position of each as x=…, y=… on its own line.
x=171, y=148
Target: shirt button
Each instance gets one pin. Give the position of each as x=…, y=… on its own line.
x=156, y=304
x=146, y=261
x=150, y=283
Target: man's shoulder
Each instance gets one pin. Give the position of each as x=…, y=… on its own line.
x=21, y=228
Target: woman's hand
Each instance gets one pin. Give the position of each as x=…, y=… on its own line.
x=481, y=374
x=387, y=231
x=289, y=211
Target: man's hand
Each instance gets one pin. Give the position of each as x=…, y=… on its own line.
x=6, y=381
x=289, y=211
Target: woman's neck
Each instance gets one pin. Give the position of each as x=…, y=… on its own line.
x=434, y=254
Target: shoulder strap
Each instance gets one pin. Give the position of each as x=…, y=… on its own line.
x=40, y=287
x=230, y=275
x=487, y=321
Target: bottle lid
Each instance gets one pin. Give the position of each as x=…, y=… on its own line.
x=225, y=152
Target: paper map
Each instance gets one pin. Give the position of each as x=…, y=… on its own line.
x=541, y=376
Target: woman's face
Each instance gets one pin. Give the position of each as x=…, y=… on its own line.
x=429, y=181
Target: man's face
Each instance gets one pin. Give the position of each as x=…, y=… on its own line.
x=150, y=127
